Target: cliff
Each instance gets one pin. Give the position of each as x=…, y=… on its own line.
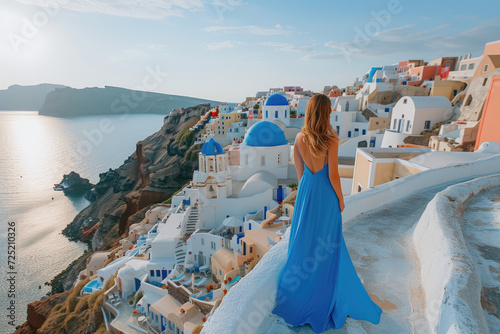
x=161, y=164
x=113, y=100
x=31, y=98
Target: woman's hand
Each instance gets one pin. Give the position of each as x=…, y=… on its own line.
x=342, y=206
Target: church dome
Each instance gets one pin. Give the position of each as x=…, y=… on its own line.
x=265, y=133
x=212, y=147
x=276, y=100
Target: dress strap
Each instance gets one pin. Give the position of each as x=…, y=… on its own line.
x=299, y=151
x=325, y=159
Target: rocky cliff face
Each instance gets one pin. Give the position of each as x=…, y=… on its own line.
x=74, y=183
x=161, y=165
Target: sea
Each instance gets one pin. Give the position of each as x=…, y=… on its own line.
x=35, y=152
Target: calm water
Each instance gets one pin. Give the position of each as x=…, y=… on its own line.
x=35, y=152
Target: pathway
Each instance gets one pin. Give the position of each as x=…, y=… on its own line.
x=381, y=248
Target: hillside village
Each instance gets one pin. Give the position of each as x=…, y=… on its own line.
x=403, y=127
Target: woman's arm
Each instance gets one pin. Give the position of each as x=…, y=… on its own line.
x=333, y=171
x=299, y=163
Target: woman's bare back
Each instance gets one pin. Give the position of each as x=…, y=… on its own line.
x=315, y=164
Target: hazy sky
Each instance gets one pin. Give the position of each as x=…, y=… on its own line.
x=229, y=49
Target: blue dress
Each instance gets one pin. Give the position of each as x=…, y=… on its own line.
x=319, y=284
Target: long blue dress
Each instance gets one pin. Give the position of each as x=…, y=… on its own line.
x=319, y=284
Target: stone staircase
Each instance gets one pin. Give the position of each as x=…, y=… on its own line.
x=242, y=270
x=180, y=254
x=192, y=221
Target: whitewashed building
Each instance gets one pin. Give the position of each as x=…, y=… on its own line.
x=413, y=114
x=277, y=108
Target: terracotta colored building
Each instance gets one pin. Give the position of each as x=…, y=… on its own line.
x=421, y=73
x=405, y=65
x=488, y=128
x=334, y=92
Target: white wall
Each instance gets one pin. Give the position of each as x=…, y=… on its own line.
x=348, y=148
x=450, y=279
x=194, y=244
x=346, y=121
x=214, y=211
x=416, y=117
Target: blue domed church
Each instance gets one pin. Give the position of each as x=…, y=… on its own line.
x=276, y=108
x=213, y=178
x=264, y=148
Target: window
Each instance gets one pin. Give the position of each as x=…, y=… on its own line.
x=407, y=125
x=363, y=132
x=427, y=125
x=471, y=66
x=360, y=188
x=463, y=67
x=402, y=115
x=152, y=273
x=338, y=129
x=267, y=113
x=349, y=134
x=158, y=274
x=336, y=118
x=195, y=257
x=202, y=241
x=251, y=249
x=220, y=272
x=485, y=81
x=387, y=109
x=262, y=160
x=486, y=68
x=405, y=100
x=276, y=114
x=394, y=124
x=468, y=101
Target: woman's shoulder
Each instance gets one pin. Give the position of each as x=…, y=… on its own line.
x=299, y=136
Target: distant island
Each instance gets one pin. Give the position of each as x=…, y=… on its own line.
x=68, y=101
x=28, y=98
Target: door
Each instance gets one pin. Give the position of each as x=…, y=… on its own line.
x=163, y=274
x=201, y=259
x=137, y=284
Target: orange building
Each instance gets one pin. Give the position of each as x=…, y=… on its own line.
x=488, y=127
x=421, y=73
x=334, y=92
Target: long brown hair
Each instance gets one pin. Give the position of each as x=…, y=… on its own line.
x=317, y=129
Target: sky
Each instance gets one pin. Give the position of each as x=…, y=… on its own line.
x=227, y=50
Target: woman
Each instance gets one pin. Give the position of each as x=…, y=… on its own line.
x=319, y=285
